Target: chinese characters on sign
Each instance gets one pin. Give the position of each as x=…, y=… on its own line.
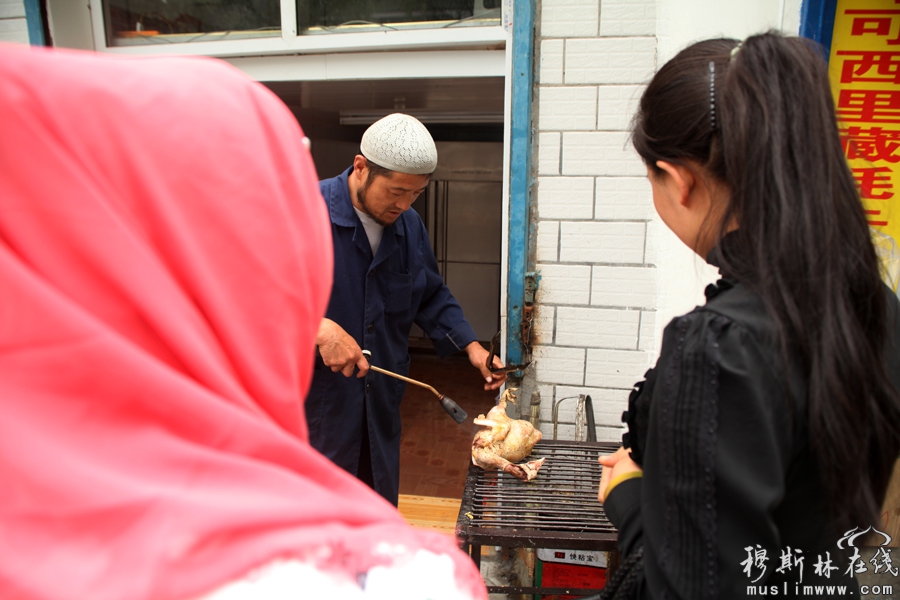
x=864, y=68
x=790, y=566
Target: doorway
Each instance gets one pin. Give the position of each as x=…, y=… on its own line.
x=462, y=210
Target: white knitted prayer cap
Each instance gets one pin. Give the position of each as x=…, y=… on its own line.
x=400, y=143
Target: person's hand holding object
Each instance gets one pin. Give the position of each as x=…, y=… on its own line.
x=339, y=350
x=478, y=357
x=615, y=465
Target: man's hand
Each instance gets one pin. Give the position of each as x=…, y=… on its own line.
x=478, y=357
x=614, y=465
x=339, y=350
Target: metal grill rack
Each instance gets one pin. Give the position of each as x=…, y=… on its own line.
x=558, y=509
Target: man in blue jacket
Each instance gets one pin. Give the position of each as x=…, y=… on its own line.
x=385, y=279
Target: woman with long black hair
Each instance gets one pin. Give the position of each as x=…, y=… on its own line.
x=771, y=422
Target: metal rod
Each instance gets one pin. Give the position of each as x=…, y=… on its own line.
x=401, y=377
x=406, y=379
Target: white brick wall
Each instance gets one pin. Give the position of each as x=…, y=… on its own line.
x=599, y=153
x=599, y=242
x=12, y=9
x=597, y=327
x=648, y=341
x=612, y=274
x=550, y=68
x=607, y=404
x=614, y=368
x=570, y=18
x=623, y=198
x=610, y=60
x=13, y=26
x=544, y=324
x=565, y=197
x=564, y=284
x=596, y=304
x=560, y=365
x=547, y=247
x=548, y=153
x=628, y=17
x=625, y=287
x=615, y=106
x=568, y=108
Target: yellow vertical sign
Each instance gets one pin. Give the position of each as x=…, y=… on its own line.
x=864, y=68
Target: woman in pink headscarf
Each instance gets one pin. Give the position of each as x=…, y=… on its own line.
x=165, y=261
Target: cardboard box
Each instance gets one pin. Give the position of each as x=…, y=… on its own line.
x=562, y=575
x=573, y=569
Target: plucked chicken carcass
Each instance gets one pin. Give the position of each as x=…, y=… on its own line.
x=506, y=441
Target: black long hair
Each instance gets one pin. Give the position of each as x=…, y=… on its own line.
x=765, y=127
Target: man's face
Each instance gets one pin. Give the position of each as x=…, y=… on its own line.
x=386, y=197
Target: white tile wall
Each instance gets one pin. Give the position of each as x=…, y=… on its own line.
x=565, y=197
x=648, y=341
x=550, y=68
x=568, y=108
x=598, y=242
x=559, y=365
x=569, y=18
x=597, y=327
x=12, y=9
x=631, y=287
x=543, y=325
x=624, y=198
x=599, y=153
x=656, y=232
x=628, y=17
x=610, y=60
x=14, y=30
x=616, y=104
x=596, y=304
x=548, y=153
x=547, y=243
x=566, y=431
x=608, y=404
x=564, y=284
x=614, y=368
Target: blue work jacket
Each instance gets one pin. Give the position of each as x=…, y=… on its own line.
x=376, y=300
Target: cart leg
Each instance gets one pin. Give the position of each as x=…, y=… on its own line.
x=612, y=563
x=476, y=556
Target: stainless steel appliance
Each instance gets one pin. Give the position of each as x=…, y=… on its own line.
x=463, y=211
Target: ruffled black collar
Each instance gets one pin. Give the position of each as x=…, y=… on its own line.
x=716, y=259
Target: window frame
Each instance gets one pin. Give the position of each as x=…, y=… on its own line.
x=289, y=42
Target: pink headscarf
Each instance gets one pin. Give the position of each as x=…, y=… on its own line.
x=165, y=260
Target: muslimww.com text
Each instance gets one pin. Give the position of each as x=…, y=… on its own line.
x=817, y=590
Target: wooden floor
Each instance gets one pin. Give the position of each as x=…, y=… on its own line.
x=435, y=452
x=430, y=513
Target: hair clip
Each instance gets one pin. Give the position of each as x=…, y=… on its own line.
x=734, y=50
x=712, y=94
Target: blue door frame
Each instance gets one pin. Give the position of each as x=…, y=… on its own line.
x=521, y=282
x=817, y=22
x=35, y=22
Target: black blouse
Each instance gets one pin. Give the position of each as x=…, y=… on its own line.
x=719, y=428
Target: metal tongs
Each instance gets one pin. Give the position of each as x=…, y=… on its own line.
x=452, y=408
x=495, y=349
